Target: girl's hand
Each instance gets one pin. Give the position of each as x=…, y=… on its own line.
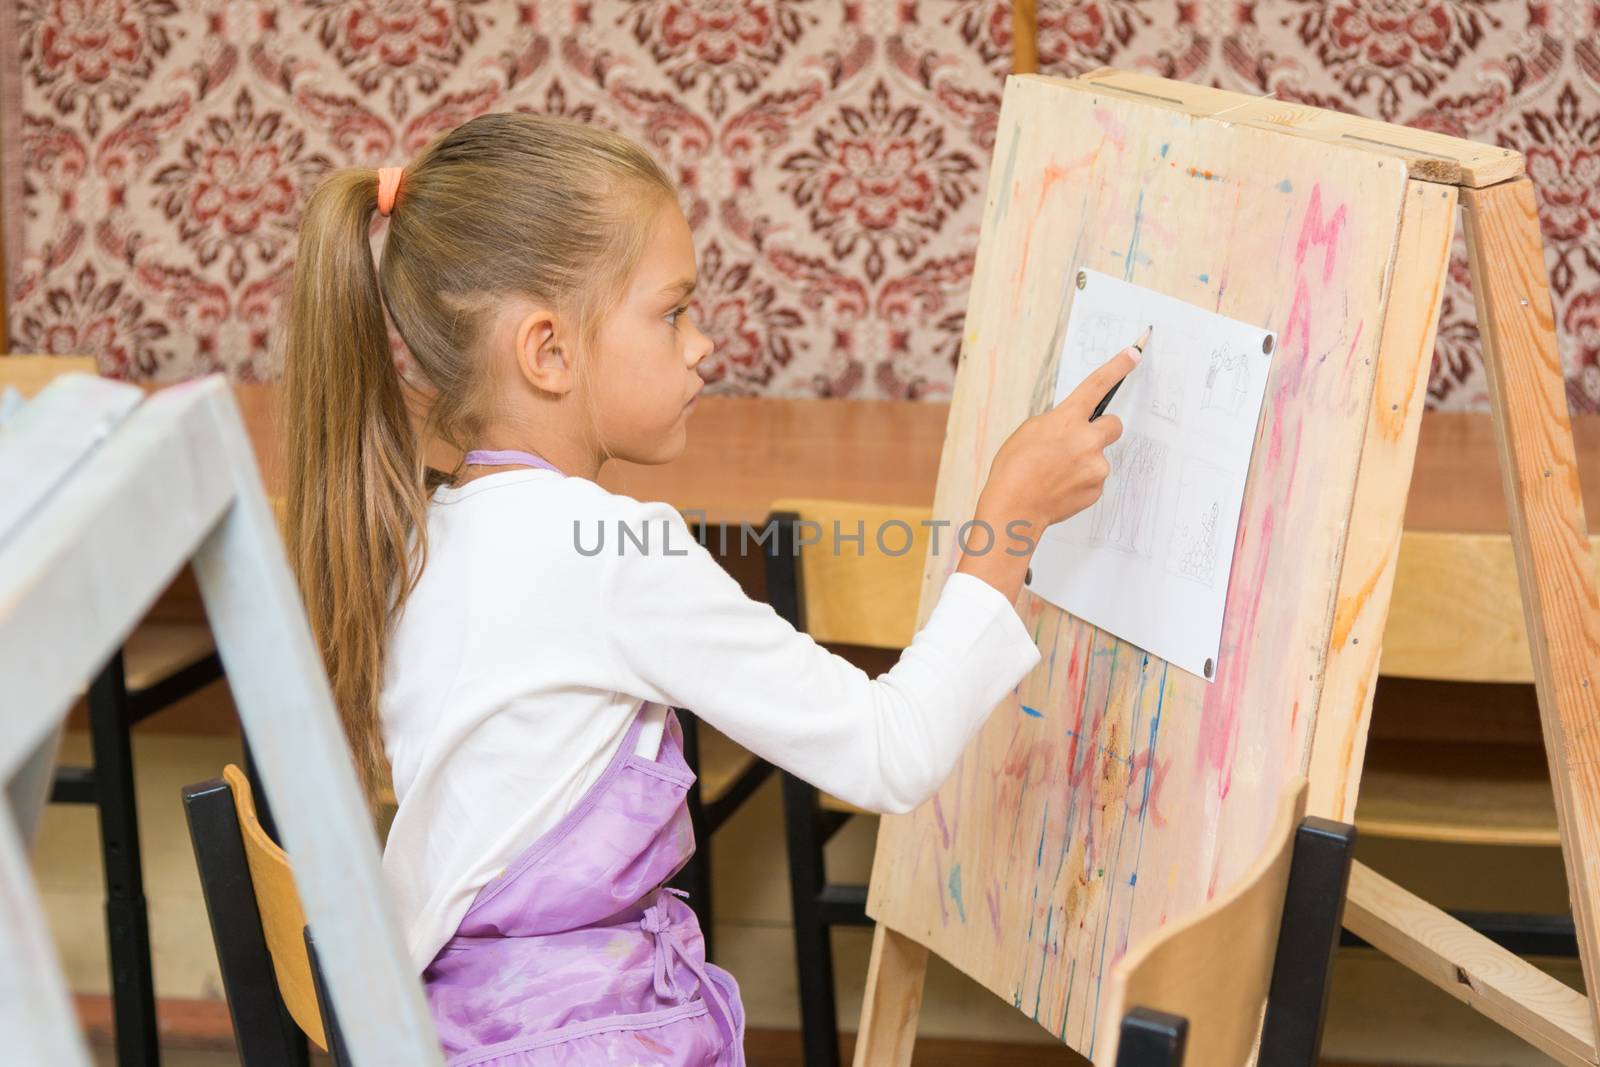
x=1054, y=465
x=1050, y=468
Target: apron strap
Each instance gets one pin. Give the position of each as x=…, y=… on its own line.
x=507, y=457
x=659, y=926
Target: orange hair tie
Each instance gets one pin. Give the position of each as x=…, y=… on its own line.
x=388, y=186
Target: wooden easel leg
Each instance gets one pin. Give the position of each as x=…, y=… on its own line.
x=893, y=1000
x=1538, y=464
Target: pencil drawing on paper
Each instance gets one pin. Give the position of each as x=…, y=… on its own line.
x=1196, y=527
x=1124, y=517
x=1100, y=339
x=1166, y=386
x=1227, y=382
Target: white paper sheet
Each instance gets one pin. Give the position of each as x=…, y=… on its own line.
x=1149, y=562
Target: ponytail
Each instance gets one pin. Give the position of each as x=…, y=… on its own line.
x=356, y=493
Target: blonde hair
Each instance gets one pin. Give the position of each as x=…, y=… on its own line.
x=505, y=205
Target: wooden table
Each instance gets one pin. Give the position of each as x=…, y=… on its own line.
x=745, y=452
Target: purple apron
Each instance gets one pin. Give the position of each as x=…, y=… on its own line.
x=576, y=953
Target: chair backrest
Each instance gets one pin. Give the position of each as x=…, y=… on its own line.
x=283, y=920
x=1214, y=966
x=1456, y=611
x=864, y=593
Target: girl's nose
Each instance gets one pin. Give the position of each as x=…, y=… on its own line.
x=700, y=345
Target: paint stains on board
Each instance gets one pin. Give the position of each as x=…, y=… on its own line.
x=1285, y=186
x=1319, y=230
x=1350, y=356
x=1203, y=175
x=938, y=815
x=1133, y=240
x=1153, y=770
x=1034, y=712
x=1115, y=130
x=1052, y=175
x=955, y=892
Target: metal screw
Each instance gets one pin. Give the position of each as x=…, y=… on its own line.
x=1083, y=278
x=1027, y=579
x=1524, y=302
x=1267, y=343
x=1209, y=668
x=1547, y=472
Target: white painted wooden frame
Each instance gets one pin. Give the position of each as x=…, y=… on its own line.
x=103, y=497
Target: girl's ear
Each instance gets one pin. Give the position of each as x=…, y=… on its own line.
x=543, y=361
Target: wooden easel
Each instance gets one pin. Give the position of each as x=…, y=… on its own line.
x=103, y=497
x=1307, y=661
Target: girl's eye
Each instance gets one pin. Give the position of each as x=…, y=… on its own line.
x=672, y=316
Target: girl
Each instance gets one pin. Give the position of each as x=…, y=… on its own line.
x=518, y=683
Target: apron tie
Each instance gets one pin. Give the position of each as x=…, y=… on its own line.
x=659, y=926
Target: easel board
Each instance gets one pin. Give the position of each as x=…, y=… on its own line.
x=1109, y=792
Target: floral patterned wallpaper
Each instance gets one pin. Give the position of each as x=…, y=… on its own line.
x=831, y=153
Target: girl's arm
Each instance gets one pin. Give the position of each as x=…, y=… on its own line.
x=682, y=632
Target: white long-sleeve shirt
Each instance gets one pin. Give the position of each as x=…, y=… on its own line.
x=522, y=656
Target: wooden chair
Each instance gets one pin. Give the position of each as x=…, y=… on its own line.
x=158, y=665
x=1253, y=961
x=867, y=600
x=1456, y=617
x=267, y=956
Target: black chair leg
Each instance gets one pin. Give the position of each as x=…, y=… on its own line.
x=695, y=877
x=127, y=916
x=1313, y=912
x=263, y=1029
x=1153, y=1039
x=819, y=1024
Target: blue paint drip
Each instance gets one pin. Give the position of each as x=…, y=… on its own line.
x=1164, y=150
x=1038, y=860
x=1133, y=242
x=1205, y=278
x=1035, y=712
x=1285, y=186
x=1038, y=991
x=955, y=891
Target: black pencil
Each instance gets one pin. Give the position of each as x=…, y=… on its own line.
x=1100, y=408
